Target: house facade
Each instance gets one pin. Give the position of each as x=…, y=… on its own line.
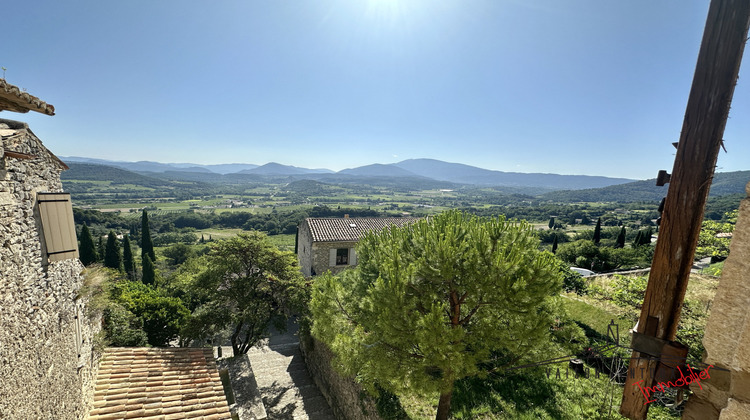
x=327, y=243
x=46, y=351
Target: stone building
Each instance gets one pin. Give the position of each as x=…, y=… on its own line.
x=327, y=243
x=726, y=394
x=46, y=352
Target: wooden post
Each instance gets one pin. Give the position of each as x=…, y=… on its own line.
x=703, y=127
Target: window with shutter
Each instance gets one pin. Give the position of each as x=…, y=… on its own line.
x=58, y=228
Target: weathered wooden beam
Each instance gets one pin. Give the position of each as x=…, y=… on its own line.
x=705, y=119
x=18, y=155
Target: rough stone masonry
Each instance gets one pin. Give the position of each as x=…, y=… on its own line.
x=46, y=367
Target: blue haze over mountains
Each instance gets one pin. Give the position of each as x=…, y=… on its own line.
x=428, y=169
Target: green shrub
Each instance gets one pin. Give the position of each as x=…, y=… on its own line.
x=629, y=291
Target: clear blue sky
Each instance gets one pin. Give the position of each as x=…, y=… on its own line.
x=573, y=87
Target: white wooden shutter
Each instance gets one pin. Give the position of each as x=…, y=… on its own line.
x=352, y=257
x=332, y=257
x=58, y=228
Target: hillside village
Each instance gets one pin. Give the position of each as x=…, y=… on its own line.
x=415, y=290
x=49, y=294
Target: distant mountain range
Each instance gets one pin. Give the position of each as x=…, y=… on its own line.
x=407, y=175
x=426, y=169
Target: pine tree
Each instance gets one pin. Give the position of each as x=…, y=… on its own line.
x=112, y=256
x=598, y=231
x=88, y=250
x=621, y=239
x=147, y=245
x=430, y=296
x=149, y=272
x=127, y=258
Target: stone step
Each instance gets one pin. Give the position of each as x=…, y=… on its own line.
x=287, y=390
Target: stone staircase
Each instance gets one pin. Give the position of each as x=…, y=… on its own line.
x=286, y=388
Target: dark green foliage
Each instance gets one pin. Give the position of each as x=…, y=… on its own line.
x=162, y=316
x=572, y=281
x=246, y=284
x=149, y=272
x=585, y=254
x=112, y=255
x=598, y=231
x=551, y=223
x=122, y=328
x=100, y=248
x=554, y=245
x=147, y=245
x=178, y=254
x=163, y=239
x=549, y=236
x=87, y=251
x=128, y=261
x=620, y=243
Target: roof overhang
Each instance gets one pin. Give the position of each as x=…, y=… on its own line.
x=13, y=99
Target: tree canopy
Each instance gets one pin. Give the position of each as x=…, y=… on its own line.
x=431, y=301
x=112, y=254
x=245, y=285
x=88, y=250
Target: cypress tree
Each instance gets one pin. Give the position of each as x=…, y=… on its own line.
x=100, y=249
x=554, y=245
x=112, y=256
x=88, y=250
x=598, y=231
x=127, y=258
x=621, y=239
x=147, y=245
x=638, y=241
x=149, y=273
x=551, y=223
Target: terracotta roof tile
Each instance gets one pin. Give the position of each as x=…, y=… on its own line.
x=14, y=99
x=351, y=229
x=158, y=383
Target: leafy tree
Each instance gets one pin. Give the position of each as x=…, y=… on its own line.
x=163, y=317
x=87, y=253
x=620, y=242
x=248, y=283
x=127, y=257
x=430, y=302
x=147, y=245
x=178, y=253
x=598, y=231
x=122, y=328
x=112, y=255
x=149, y=272
x=714, y=237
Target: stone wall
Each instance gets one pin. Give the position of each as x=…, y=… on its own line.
x=345, y=397
x=304, y=249
x=321, y=254
x=726, y=395
x=44, y=372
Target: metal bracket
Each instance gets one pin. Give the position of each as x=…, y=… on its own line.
x=662, y=178
x=647, y=344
